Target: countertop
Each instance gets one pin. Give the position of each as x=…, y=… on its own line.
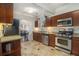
x=54, y=33
x=9, y=38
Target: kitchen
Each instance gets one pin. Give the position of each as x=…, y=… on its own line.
x=31, y=29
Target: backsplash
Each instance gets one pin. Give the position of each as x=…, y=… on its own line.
x=1, y=28
x=1, y=25
x=76, y=30
x=54, y=29
x=46, y=29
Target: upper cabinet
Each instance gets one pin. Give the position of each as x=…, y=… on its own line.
x=75, y=15
x=48, y=22
x=2, y=10
x=6, y=12
x=9, y=10
x=52, y=21
x=36, y=23
x=66, y=15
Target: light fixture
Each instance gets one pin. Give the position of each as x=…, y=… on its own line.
x=30, y=9
x=49, y=29
x=36, y=29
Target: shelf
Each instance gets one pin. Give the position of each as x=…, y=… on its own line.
x=10, y=52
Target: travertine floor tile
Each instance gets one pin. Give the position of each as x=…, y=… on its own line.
x=34, y=48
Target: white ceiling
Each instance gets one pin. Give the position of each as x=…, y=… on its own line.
x=48, y=9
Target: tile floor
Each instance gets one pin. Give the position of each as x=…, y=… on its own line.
x=34, y=48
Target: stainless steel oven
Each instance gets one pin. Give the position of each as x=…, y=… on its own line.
x=63, y=43
x=65, y=22
x=64, y=38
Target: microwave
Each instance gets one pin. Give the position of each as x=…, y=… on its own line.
x=64, y=22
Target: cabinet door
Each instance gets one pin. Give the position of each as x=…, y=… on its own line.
x=39, y=37
x=51, y=40
x=36, y=23
x=0, y=49
x=75, y=46
x=2, y=10
x=53, y=21
x=35, y=36
x=76, y=18
x=9, y=20
x=6, y=12
x=48, y=22
x=9, y=10
x=66, y=15
x=2, y=19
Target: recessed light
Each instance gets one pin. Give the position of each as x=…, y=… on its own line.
x=30, y=9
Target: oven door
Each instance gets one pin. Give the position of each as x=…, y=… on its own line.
x=63, y=43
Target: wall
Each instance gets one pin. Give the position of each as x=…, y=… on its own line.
x=67, y=8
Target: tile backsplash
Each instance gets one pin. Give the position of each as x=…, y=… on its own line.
x=46, y=29
x=1, y=26
x=76, y=29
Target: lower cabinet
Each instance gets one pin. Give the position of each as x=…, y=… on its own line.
x=39, y=37
x=51, y=40
x=0, y=50
x=75, y=46
x=11, y=48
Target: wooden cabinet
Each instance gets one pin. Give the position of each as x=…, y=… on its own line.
x=66, y=15
x=9, y=10
x=48, y=22
x=74, y=15
x=61, y=16
x=53, y=21
x=11, y=48
x=0, y=50
x=2, y=10
x=75, y=18
x=34, y=36
x=37, y=36
x=51, y=40
x=6, y=12
x=36, y=23
x=75, y=45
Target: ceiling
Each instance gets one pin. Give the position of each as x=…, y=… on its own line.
x=48, y=9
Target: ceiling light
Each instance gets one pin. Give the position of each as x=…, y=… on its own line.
x=30, y=10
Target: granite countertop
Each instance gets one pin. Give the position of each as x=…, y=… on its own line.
x=10, y=38
x=54, y=33
x=47, y=33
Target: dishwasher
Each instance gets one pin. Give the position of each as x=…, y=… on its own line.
x=45, y=39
